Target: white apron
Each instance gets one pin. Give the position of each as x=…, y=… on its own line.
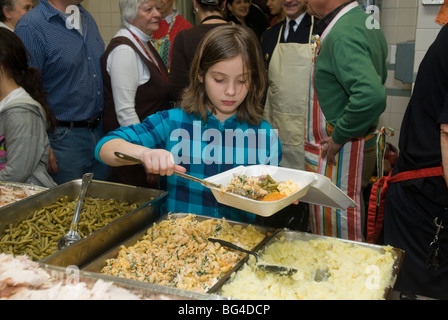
x=346, y=174
x=287, y=97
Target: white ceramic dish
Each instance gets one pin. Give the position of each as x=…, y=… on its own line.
x=263, y=208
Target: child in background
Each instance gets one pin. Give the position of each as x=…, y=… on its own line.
x=24, y=117
x=218, y=127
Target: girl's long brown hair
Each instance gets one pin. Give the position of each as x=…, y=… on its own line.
x=14, y=61
x=224, y=43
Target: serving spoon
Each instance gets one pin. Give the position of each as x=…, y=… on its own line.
x=270, y=268
x=73, y=235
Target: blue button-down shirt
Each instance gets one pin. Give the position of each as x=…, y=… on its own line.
x=69, y=60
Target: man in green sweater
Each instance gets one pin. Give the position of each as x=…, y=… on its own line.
x=350, y=72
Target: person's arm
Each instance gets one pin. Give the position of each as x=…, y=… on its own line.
x=361, y=81
x=24, y=150
x=444, y=148
x=157, y=161
x=31, y=40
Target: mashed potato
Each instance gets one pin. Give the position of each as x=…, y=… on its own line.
x=350, y=272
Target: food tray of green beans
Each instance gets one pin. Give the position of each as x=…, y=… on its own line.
x=111, y=213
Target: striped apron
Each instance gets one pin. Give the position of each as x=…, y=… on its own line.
x=346, y=174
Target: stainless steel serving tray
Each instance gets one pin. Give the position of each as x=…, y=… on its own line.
x=146, y=291
x=85, y=250
x=289, y=235
x=97, y=265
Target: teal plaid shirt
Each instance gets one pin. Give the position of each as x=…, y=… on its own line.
x=204, y=149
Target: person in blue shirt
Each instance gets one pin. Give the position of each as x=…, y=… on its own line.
x=218, y=127
x=65, y=45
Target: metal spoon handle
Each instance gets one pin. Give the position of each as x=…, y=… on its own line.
x=201, y=181
x=127, y=157
x=86, y=179
x=233, y=246
x=177, y=173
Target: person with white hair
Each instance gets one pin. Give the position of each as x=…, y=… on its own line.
x=12, y=10
x=135, y=78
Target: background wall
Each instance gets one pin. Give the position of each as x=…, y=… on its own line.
x=401, y=20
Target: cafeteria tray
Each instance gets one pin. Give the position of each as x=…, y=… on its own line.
x=262, y=208
x=289, y=235
x=313, y=188
x=97, y=265
x=88, y=248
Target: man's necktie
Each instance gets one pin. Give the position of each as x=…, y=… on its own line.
x=292, y=23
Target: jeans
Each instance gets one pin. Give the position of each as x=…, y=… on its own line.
x=74, y=149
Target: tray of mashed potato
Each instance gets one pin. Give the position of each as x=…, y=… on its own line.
x=328, y=269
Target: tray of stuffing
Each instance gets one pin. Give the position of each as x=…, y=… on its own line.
x=328, y=269
x=265, y=190
x=175, y=252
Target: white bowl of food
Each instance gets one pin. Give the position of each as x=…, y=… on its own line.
x=261, y=189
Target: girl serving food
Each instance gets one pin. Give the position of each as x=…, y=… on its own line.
x=219, y=125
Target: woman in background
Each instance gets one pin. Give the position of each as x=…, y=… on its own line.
x=276, y=11
x=135, y=79
x=210, y=14
x=12, y=10
x=170, y=25
x=246, y=13
x=24, y=117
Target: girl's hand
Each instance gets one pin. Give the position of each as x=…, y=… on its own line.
x=159, y=161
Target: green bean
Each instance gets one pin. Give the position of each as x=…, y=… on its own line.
x=270, y=179
x=38, y=234
x=29, y=232
x=33, y=255
x=16, y=243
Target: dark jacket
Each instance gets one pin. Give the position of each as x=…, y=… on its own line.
x=270, y=36
x=256, y=20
